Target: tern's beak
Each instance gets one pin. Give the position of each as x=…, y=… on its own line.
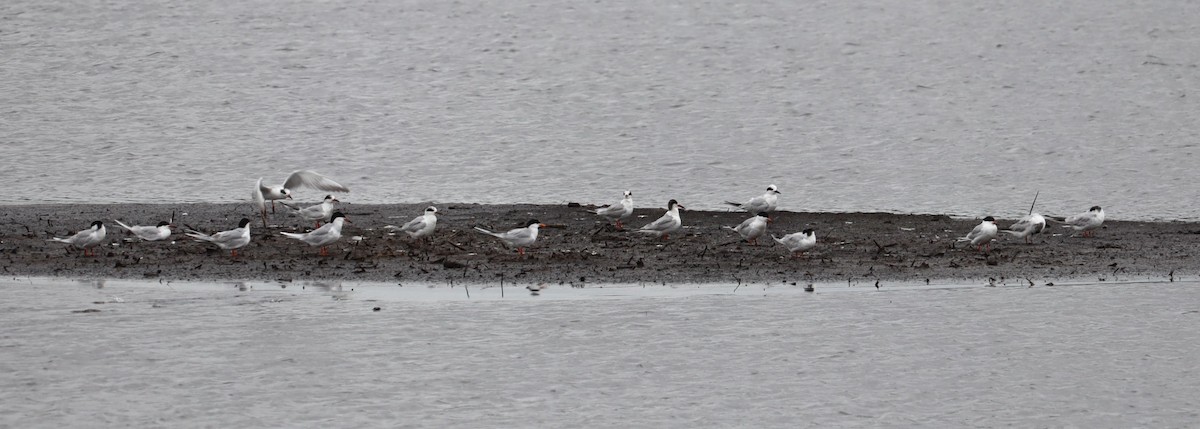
x=541, y=225
x=289, y=196
x=681, y=207
x=337, y=200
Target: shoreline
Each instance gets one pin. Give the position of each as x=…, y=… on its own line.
x=578, y=248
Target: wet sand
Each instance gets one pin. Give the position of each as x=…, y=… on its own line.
x=579, y=248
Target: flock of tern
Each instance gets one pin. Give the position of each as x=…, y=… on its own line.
x=422, y=226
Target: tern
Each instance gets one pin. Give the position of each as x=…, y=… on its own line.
x=323, y=236
x=315, y=213
x=1087, y=221
x=230, y=240
x=752, y=228
x=420, y=226
x=86, y=239
x=149, y=233
x=668, y=223
x=519, y=237
x=798, y=242
x=1027, y=227
x=297, y=179
x=983, y=233
x=766, y=202
x=619, y=210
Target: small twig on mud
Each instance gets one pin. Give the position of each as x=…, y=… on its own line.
x=455, y=245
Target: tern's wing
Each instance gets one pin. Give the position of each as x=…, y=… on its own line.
x=612, y=210
x=258, y=195
x=660, y=224
x=756, y=204
x=518, y=234
x=489, y=232
x=414, y=225
x=745, y=224
x=1082, y=219
x=123, y=225
x=226, y=236
x=1022, y=225
x=975, y=232
x=313, y=180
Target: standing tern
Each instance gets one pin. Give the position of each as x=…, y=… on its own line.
x=297, y=179
x=230, y=240
x=86, y=239
x=1027, y=227
x=798, y=242
x=315, y=213
x=149, y=233
x=766, y=202
x=752, y=228
x=619, y=210
x=519, y=237
x=1087, y=221
x=420, y=226
x=983, y=233
x=668, y=223
x=323, y=236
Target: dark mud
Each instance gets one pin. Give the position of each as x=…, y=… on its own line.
x=580, y=248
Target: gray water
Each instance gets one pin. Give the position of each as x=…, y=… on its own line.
x=220, y=355
x=923, y=106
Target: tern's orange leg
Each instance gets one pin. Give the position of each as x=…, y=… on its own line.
x=521, y=250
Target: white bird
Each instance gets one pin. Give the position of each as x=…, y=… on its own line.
x=316, y=213
x=668, y=223
x=766, y=202
x=323, y=236
x=298, y=178
x=420, y=226
x=983, y=233
x=149, y=233
x=1027, y=227
x=752, y=228
x=519, y=237
x=798, y=242
x=86, y=239
x=230, y=240
x=619, y=210
x=1087, y=221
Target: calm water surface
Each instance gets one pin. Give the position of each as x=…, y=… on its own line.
x=317, y=355
x=926, y=106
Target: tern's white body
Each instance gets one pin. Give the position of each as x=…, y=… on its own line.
x=798, y=242
x=1027, y=227
x=518, y=237
x=231, y=240
x=420, y=226
x=619, y=211
x=752, y=228
x=766, y=202
x=665, y=225
x=146, y=232
x=1086, y=222
x=983, y=233
x=316, y=213
x=86, y=239
x=325, y=235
